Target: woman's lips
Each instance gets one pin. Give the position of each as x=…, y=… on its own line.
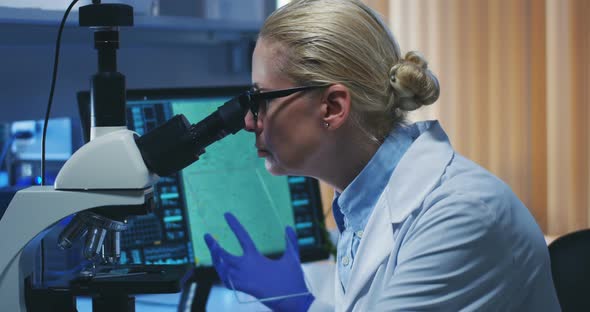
x=263, y=153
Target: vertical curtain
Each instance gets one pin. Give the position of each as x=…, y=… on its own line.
x=515, y=96
x=568, y=113
x=481, y=51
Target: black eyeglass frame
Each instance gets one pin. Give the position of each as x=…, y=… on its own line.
x=254, y=96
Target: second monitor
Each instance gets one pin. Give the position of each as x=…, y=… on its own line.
x=229, y=177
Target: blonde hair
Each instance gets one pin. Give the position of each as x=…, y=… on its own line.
x=344, y=41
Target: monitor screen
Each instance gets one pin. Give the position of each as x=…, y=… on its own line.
x=229, y=177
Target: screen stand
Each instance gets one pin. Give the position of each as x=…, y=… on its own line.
x=196, y=290
x=113, y=302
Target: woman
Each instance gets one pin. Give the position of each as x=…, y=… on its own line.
x=422, y=228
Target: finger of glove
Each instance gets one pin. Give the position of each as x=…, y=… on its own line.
x=241, y=233
x=219, y=254
x=222, y=271
x=220, y=266
x=292, y=244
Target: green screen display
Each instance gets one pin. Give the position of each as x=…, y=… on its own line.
x=230, y=177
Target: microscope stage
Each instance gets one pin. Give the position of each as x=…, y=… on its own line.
x=131, y=279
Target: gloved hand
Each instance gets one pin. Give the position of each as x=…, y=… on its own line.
x=260, y=276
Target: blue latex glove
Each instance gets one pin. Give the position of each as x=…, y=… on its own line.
x=260, y=276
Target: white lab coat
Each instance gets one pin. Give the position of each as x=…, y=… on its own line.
x=446, y=235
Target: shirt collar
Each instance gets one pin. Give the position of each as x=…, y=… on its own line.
x=354, y=205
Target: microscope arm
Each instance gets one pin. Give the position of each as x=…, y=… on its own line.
x=111, y=161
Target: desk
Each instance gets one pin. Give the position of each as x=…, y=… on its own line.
x=320, y=276
x=220, y=299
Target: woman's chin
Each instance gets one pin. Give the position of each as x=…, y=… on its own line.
x=273, y=168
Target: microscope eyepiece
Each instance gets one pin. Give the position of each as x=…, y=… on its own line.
x=176, y=144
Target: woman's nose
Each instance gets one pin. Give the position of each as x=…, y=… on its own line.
x=252, y=125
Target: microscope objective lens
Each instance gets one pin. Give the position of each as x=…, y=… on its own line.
x=94, y=241
x=73, y=231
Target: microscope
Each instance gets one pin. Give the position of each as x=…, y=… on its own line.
x=107, y=180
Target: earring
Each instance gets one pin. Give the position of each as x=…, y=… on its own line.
x=326, y=125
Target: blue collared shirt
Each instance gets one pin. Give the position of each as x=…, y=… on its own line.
x=354, y=205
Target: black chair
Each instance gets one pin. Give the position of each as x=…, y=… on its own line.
x=570, y=267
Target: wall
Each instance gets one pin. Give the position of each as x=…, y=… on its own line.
x=26, y=69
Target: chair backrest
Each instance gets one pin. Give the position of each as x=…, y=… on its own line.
x=570, y=267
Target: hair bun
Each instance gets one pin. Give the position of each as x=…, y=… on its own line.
x=414, y=85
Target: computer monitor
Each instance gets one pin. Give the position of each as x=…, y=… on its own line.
x=228, y=177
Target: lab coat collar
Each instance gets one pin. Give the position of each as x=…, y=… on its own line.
x=357, y=201
x=417, y=173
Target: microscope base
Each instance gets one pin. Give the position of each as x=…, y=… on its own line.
x=109, y=293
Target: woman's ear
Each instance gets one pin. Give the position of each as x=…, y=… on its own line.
x=336, y=108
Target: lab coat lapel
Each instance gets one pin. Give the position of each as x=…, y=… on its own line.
x=373, y=249
x=416, y=175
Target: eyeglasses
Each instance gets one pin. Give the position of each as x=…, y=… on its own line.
x=258, y=101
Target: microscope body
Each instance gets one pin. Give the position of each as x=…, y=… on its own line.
x=108, y=174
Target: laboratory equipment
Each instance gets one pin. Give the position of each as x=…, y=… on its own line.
x=5, y=142
x=107, y=180
x=24, y=150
